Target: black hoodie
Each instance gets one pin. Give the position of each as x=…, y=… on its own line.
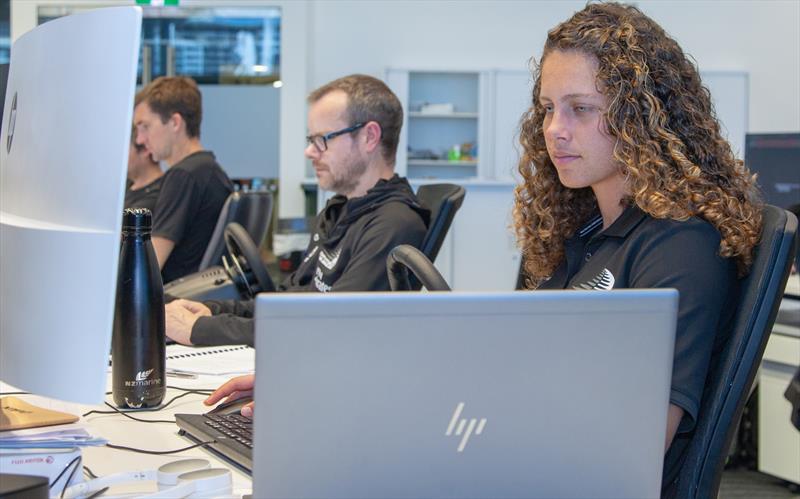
x=347, y=252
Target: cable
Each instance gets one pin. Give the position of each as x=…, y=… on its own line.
x=69, y=478
x=154, y=409
x=6, y=394
x=159, y=453
x=98, y=493
x=114, y=410
x=203, y=390
x=67, y=467
x=89, y=472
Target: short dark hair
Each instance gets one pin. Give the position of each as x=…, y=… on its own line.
x=168, y=95
x=369, y=99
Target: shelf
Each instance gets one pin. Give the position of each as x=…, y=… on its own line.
x=441, y=162
x=417, y=114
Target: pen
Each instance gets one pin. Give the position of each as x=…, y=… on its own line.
x=181, y=374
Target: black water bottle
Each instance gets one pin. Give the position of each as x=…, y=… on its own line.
x=138, y=347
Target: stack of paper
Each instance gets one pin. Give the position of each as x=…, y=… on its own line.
x=52, y=437
x=219, y=361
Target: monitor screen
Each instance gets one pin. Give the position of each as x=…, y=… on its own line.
x=775, y=157
x=63, y=156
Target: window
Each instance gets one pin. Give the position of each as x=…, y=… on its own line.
x=211, y=45
x=5, y=32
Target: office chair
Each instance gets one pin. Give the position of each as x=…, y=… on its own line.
x=406, y=257
x=251, y=210
x=443, y=200
x=734, y=368
x=240, y=277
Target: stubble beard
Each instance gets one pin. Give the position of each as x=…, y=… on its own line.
x=347, y=181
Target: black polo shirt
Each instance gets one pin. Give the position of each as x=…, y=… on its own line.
x=638, y=251
x=143, y=197
x=192, y=194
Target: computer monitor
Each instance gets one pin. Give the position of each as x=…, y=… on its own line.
x=3, y=81
x=775, y=157
x=63, y=156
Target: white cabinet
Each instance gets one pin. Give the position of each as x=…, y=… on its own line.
x=448, y=108
x=445, y=126
x=444, y=109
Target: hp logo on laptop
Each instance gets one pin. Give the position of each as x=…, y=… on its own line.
x=12, y=121
x=463, y=427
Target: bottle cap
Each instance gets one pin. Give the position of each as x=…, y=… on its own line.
x=137, y=219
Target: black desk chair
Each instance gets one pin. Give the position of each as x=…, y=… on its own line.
x=443, y=200
x=734, y=368
x=252, y=210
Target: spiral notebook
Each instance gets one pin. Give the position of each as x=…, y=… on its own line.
x=216, y=361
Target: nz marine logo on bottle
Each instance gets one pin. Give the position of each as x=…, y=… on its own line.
x=465, y=428
x=141, y=379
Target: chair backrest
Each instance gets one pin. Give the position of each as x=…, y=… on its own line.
x=443, y=200
x=734, y=368
x=252, y=210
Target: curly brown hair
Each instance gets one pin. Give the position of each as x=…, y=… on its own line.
x=667, y=142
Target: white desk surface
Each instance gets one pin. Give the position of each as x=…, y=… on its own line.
x=119, y=430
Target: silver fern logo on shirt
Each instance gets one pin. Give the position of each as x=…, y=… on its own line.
x=603, y=281
x=329, y=260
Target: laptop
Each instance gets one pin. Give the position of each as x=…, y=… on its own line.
x=437, y=395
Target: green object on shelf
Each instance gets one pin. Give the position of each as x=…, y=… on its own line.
x=454, y=154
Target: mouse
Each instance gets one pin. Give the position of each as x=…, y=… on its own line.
x=231, y=406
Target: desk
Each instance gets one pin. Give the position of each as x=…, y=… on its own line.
x=119, y=430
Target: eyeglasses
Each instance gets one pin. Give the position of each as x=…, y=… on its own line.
x=321, y=141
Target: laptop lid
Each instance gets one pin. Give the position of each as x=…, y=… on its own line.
x=523, y=394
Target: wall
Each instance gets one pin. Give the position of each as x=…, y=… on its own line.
x=759, y=37
x=325, y=39
x=251, y=147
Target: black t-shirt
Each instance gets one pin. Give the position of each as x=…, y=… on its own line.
x=192, y=194
x=638, y=251
x=144, y=197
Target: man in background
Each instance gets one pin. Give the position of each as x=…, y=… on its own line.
x=144, y=177
x=167, y=118
x=354, y=125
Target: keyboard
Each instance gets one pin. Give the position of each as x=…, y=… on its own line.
x=232, y=435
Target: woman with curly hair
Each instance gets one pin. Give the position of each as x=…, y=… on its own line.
x=628, y=183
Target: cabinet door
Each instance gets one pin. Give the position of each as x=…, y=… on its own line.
x=484, y=253
x=512, y=97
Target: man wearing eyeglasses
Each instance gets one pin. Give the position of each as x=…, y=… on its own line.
x=354, y=127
